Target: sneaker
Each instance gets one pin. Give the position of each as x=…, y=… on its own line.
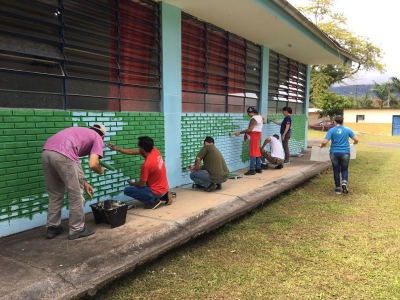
x=337, y=191
x=85, y=232
x=264, y=166
x=279, y=167
x=167, y=198
x=52, y=231
x=152, y=205
x=211, y=187
x=219, y=186
x=250, y=172
x=345, y=188
x=286, y=162
x=258, y=171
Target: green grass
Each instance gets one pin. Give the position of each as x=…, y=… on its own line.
x=305, y=244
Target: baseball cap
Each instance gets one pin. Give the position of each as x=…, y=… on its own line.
x=100, y=127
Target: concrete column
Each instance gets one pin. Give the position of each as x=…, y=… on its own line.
x=264, y=86
x=306, y=104
x=171, y=93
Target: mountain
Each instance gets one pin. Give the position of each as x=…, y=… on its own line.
x=354, y=90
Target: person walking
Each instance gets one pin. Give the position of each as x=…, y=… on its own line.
x=63, y=171
x=214, y=170
x=286, y=131
x=254, y=131
x=340, y=152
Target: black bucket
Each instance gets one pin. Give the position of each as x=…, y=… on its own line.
x=111, y=212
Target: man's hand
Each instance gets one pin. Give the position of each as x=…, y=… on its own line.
x=191, y=168
x=283, y=137
x=89, y=189
x=101, y=171
x=237, y=133
x=111, y=146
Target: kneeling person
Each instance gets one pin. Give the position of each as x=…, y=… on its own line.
x=276, y=156
x=153, y=174
x=214, y=171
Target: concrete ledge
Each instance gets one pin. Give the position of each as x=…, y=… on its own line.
x=90, y=274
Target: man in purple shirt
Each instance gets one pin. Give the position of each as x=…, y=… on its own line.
x=63, y=171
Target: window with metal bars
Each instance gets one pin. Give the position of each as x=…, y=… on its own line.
x=220, y=71
x=80, y=55
x=287, y=84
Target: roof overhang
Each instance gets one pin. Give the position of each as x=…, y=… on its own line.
x=275, y=24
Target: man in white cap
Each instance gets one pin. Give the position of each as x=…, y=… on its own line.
x=63, y=171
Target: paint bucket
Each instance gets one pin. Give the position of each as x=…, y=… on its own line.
x=111, y=212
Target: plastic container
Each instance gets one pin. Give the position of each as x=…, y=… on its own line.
x=111, y=212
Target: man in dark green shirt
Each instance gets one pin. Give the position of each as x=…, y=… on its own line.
x=214, y=171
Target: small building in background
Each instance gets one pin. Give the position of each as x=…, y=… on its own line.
x=313, y=116
x=382, y=121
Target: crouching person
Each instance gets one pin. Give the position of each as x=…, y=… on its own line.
x=276, y=156
x=214, y=171
x=153, y=174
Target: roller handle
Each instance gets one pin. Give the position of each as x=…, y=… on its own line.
x=106, y=165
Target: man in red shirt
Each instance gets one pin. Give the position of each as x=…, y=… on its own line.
x=153, y=174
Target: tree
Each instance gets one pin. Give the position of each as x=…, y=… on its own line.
x=334, y=24
x=333, y=104
x=395, y=84
x=385, y=93
x=365, y=101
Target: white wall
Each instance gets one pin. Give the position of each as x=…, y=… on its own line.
x=381, y=116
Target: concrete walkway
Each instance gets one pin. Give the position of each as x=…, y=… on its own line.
x=33, y=267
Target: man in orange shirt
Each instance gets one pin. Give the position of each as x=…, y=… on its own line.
x=153, y=174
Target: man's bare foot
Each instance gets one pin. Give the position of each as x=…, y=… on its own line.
x=130, y=182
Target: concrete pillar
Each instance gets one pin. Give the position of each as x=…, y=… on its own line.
x=264, y=86
x=306, y=104
x=171, y=93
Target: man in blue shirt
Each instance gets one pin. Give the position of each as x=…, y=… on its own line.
x=286, y=131
x=340, y=152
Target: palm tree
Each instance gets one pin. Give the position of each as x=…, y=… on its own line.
x=395, y=84
x=385, y=92
x=365, y=101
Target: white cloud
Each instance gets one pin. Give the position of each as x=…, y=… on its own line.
x=376, y=21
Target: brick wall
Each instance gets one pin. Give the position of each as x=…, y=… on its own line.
x=195, y=127
x=22, y=136
x=296, y=142
x=23, y=198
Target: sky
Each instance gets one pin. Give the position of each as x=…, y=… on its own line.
x=376, y=20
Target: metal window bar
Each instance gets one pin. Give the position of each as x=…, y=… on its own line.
x=147, y=76
x=287, y=80
x=209, y=50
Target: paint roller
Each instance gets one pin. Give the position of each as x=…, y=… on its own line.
x=106, y=165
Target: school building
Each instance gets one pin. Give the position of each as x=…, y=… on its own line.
x=175, y=70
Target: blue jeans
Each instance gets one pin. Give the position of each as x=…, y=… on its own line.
x=143, y=194
x=202, y=177
x=340, y=164
x=255, y=163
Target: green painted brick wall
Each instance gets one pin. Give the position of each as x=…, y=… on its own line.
x=195, y=127
x=23, y=134
x=296, y=142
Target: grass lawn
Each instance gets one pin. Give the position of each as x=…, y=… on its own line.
x=305, y=244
